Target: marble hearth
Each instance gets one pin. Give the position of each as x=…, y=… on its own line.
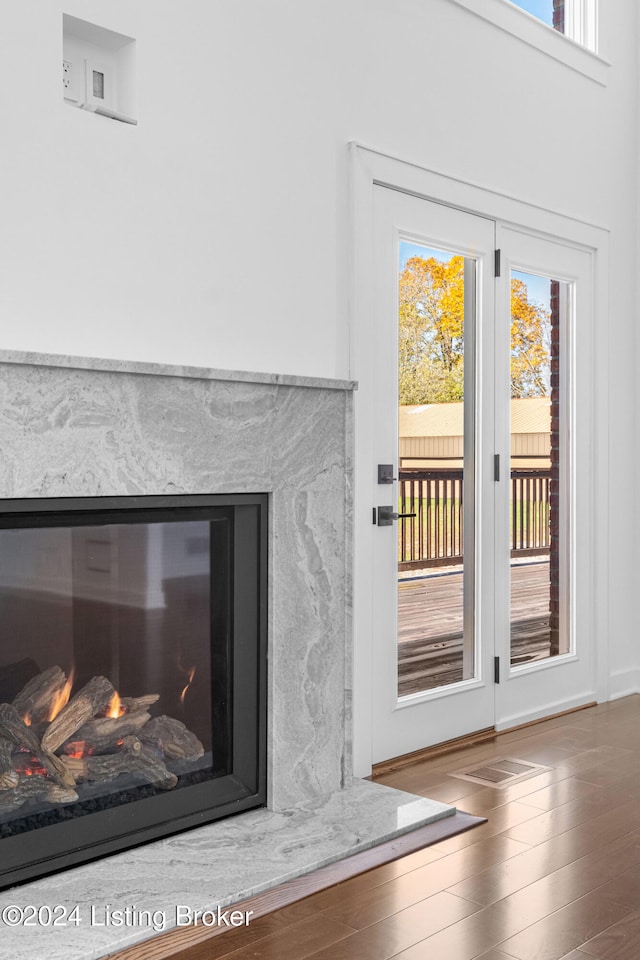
x=73, y=427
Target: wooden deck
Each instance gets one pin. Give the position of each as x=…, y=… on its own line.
x=430, y=625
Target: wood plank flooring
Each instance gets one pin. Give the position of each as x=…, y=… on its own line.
x=430, y=625
x=553, y=875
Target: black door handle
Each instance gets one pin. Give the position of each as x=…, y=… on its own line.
x=386, y=516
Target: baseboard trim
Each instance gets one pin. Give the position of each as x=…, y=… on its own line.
x=624, y=683
x=460, y=743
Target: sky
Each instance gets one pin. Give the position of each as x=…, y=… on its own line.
x=408, y=250
x=542, y=9
x=538, y=288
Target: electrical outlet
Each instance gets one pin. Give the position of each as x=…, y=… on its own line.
x=66, y=74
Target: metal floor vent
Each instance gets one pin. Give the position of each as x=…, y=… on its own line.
x=501, y=772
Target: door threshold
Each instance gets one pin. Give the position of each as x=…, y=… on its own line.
x=551, y=716
x=470, y=740
x=428, y=753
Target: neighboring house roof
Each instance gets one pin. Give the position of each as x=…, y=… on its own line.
x=433, y=431
x=530, y=415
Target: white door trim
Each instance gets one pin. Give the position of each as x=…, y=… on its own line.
x=369, y=167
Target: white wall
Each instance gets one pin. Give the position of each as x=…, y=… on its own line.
x=216, y=232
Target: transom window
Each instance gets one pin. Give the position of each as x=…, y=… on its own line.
x=574, y=18
x=546, y=25
x=544, y=10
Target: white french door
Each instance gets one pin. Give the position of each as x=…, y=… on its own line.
x=474, y=489
x=433, y=618
x=544, y=522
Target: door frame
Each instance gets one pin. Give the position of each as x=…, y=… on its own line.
x=370, y=167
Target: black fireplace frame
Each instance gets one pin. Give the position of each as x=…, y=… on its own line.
x=49, y=849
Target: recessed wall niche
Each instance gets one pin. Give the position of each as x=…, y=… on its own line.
x=98, y=69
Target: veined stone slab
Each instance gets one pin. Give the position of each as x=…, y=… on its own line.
x=68, y=432
x=203, y=869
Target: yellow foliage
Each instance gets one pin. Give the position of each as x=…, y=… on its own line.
x=431, y=334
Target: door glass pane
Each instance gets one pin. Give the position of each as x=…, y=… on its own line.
x=436, y=472
x=538, y=469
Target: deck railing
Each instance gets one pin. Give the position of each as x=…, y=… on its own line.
x=434, y=537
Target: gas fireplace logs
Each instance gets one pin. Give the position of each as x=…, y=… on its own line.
x=132, y=758
x=106, y=733
x=38, y=696
x=172, y=738
x=13, y=727
x=94, y=697
x=8, y=775
x=51, y=741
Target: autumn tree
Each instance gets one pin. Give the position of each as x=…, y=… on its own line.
x=431, y=330
x=530, y=344
x=431, y=358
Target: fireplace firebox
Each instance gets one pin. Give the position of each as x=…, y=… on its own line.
x=132, y=672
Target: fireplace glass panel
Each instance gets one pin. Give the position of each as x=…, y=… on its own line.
x=131, y=652
x=130, y=603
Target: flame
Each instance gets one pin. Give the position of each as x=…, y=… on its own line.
x=115, y=708
x=61, y=699
x=192, y=673
x=29, y=765
x=77, y=749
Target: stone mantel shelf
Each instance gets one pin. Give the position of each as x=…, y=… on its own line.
x=26, y=358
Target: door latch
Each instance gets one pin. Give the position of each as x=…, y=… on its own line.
x=386, y=516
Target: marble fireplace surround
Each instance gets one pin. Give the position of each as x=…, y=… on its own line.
x=73, y=427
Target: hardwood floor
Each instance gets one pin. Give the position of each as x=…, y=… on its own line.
x=553, y=875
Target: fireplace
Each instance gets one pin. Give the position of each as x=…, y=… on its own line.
x=77, y=428
x=132, y=671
